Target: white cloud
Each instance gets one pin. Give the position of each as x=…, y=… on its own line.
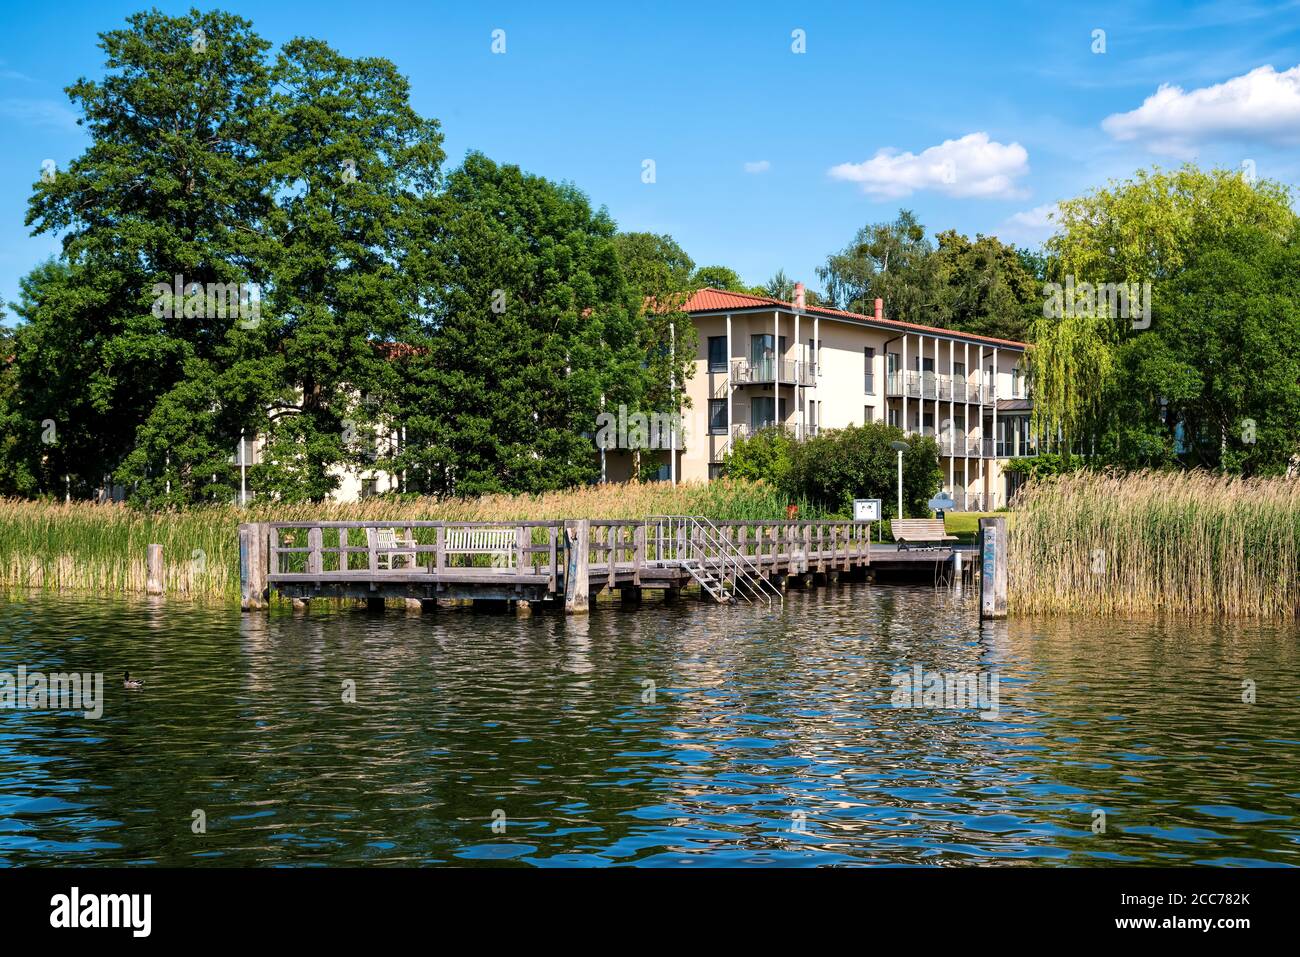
x=1262, y=105
x=973, y=166
x=1030, y=224
x=759, y=166
x=39, y=113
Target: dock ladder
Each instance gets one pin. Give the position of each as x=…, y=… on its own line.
x=710, y=557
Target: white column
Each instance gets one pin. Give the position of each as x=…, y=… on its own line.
x=801, y=419
x=995, y=402
x=817, y=366
x=729, y=382
x=776, y=367
x=965, y=407
x=902, y=379
x=672, y=396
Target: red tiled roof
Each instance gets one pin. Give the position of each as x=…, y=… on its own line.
x=719, y=300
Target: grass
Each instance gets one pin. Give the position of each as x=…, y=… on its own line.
x=101, y=548
x=1188, y=544
x=966, y=525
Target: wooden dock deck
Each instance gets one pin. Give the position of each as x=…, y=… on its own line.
x=553, y=562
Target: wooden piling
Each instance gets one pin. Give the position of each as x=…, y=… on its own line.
x=154, y=570
x=253, y=566
x=577, y=537
x=993, y=568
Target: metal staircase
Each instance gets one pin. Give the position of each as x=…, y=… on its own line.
x=711, y=558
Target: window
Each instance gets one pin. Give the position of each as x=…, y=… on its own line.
x=717, y=417
x=717, y=353
x=1015, y=382
x=760, y=412
x=893, y=417
x=369, y=488
x=866, y=414
x=869, y=370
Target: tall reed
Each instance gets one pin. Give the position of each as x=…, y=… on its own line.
x=1191, y=544
x=101, y=548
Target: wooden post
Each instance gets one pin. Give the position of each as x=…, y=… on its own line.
x=252, y=566
x=577, y=537
x=315, y=560
x=523, y=560
x=638, y=554
x=372, y=556
x=154, y=570
x=440, y=550
x=993, y=568
x=956, y=568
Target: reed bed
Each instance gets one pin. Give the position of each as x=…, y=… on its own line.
x=1185, y=544
x=101, y=548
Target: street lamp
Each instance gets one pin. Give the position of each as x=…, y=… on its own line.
x=900, y=448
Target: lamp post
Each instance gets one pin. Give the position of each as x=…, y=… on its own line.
x=900, y=448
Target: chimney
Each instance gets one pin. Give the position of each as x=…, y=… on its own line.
x=798, y=295
x=880, y=309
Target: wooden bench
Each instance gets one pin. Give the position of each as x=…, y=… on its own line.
x=496, y=542
x=388, y=538
x=925, y=532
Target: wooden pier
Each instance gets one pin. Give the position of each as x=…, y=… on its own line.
x=539, y=563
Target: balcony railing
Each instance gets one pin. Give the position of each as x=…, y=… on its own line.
x=938, y=385
x=966, y=445
x=791, y=371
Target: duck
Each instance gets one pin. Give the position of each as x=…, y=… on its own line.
x=131, y=684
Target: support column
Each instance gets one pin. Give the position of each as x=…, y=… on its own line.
x=153, y=584
x=253, y=565
x=993, y=567
x=577, y=535
x=727, y=442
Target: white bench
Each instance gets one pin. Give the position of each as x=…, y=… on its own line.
x=388, y=538
x=497, y=542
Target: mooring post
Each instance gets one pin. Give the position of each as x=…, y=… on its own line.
x=253, y=566
x=153, y=584
x=993, y=568
x=956, y=569
x=577, y=537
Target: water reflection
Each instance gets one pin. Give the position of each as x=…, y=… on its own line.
x=673, y=735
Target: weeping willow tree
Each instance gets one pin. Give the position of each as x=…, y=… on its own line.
x=1070, y=363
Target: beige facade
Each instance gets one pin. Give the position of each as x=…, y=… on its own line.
x=760, y=363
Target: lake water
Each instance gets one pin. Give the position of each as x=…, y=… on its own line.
x=669, y=736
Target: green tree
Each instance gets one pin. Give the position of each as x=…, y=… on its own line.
x=531, y=324
x=836, y=466
x=1087, y=365
x=889, y=261
x=718, y=277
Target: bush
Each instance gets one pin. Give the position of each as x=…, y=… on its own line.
x=836, y=466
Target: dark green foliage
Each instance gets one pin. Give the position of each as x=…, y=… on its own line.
x=836, y=466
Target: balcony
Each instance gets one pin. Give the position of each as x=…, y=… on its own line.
x=954, y=444
x=768, y=371
x=937, y=385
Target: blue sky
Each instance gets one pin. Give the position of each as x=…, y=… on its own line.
x=977, y=116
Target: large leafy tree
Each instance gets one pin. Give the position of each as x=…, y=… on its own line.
x=1215, y=382
x=532, y=324
x=167, y=188
x=306, y=179
x=889, y=261
x=1153, y=228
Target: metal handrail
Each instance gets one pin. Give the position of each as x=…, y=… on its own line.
x=743, y=572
